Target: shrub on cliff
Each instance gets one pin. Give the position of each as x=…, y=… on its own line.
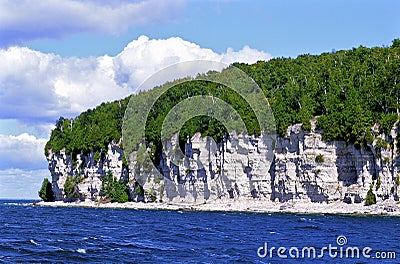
x=71, y=187
x=115, y=190
x=378, y=183
x=371, y=198
x=46, y=192
x=319, y=158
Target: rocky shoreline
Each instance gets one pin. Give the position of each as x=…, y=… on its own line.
x=389, y=207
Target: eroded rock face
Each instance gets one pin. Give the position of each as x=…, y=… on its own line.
x=238, y=166
x=62, y=166
x=299, y=166
x=306, y=167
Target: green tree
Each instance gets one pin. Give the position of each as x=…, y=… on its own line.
x=396, y=43
x=46, y=192
x=115, y=190
x=371, y=198
x=71, y=189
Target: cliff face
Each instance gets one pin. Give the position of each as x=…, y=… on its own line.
x=91, y=171
x=302, y=167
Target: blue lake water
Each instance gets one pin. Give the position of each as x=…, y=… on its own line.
x=31, y=234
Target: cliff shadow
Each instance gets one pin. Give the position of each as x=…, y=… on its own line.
x=346, y=168
x=278, y=189
x=282, y=194
x=315, y=193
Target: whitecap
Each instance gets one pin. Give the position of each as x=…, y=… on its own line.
x=81, y=251
x=12, y=204
x=33, y=242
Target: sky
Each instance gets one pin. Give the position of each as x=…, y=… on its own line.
x=61, y=57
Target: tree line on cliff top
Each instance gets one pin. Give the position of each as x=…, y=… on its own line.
x=348, y=91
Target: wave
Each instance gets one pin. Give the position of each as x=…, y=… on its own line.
x=81, y=251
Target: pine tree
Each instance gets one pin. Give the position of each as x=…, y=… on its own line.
x=371, y=198
x=46, y=192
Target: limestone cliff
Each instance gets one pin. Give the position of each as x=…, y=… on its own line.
x=301, y=167
x=91, y=171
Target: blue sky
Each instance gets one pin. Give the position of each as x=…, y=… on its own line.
x=60, y=57
x=282, y=28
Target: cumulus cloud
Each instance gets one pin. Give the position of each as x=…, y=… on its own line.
x=23, y=151
x=143, y=57
x=26, y=19
x=37, y=88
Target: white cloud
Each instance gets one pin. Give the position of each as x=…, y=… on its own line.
x=36, y=88
x=22, y=184
x=143, y=57
x=23, y=151
x=246, y=54
x=26, y=19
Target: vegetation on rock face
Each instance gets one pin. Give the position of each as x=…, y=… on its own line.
x=139, y=190
x=46, y=192
x=113, y=189
x=378, y=183
x=152, y=195
x=97, y=156
x=371, y=198
x=71, y=189
x=319, y=158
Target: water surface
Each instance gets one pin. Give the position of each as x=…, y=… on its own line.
x=44, y=234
